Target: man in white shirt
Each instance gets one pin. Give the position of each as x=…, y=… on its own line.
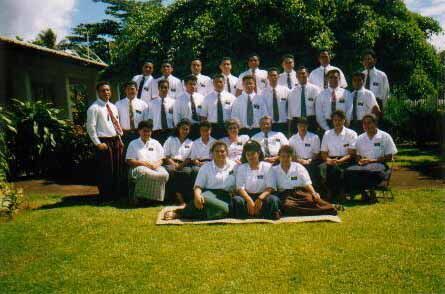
x=131, y=111
x=160, y=111
x=175, y=84
x=275, y=97
x=374, y=149
x=249, y=108
x=189, y=106
x=104, y=131
x=288, y=78
x=332, y=99
x=318, y=76
x=259, y=75
x=217, y=107
x=377, y=81
x=143, y=82
x=204, y=83
x=269, y=140
x=200, y=151
x=302, y=100
x=363, y=102
x=230, y=81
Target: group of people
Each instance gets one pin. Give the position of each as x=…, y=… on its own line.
x=244, y=147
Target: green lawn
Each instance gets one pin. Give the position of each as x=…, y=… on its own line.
x=411, y=156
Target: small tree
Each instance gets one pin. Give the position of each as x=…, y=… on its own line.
x=46, y=38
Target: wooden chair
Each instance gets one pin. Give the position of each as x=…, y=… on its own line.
x=383, y=190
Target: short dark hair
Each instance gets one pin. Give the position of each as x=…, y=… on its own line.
x=286, y=149
x=101, y=84
x=271, y=69
x=324, y=50
x=147, y=62
x=182, y=122
x=302, y=67
x=218, y=76
x=248, y=77
x=225, y=58
x=190, y=78
x=219, y=143
x=130, y=83
x=253, y=54
x=163, y=81
x=254, y=146
x=359, y=74
x=205, y=124
x=340, y=113
x=195, y=58
x=165, y=62
x=287, y=56
x=145, y=124
x=333, y=71
x=369, y=52
x=372, y=117
x=302, y=120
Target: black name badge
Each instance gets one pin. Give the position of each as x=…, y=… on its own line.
x=256, y=106
x=260, y=177
x=310, y=99
x=277, y=140
x=199, y=106
x=170, y=110
x=375, y=84
x=138, y=111
x=146, y=88
x=263, y=81
x=187, y=146
x=231, y=172
x=173, y=89
x=294, y=178
x=360, y=104
x=341, y=101
x=307, y=145
x=239, y=143
x=283, y=99
x=376, y=144
x=346, y=145
x=227, y=102
x=203, y=85
x=150, y=149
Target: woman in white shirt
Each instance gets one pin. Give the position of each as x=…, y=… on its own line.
x=213, y=187
x=144, y=156
x=292, y=183
x=253, y=199
x=177, y=161
x=234, y=141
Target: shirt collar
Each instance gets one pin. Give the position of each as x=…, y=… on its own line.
x=101, y=102
x=142, y=142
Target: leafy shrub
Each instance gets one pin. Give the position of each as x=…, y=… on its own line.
x=11, y=199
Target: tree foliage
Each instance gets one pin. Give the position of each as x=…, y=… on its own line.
x=46, y=38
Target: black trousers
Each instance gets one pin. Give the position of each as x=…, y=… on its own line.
x=109, y=163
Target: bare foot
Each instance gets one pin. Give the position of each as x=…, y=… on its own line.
x=171, y=215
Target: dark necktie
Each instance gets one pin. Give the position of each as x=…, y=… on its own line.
x=164, y=124
x=276, y=113
x=354, y=107
x=228, y=85
x=249, y=112
x=193, y=106
x=219, y=109
x=266, y=145
x=368, y=80
x=141, y=86
x=131, y=114
x=289, y=82
x=303, y=101
x=333, y=102
x=116, y=125
x=325, y=80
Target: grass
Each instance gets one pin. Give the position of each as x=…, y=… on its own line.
x=411, y=156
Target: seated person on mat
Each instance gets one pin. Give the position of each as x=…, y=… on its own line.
x=200, y=152
x=253, y=199
x=212, y=190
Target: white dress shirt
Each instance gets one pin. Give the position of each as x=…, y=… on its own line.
x=99, y=123
x=311, y=93
x=200, y=150
x=153, y=112
x=252, y=180
x=139, y=107
x=379, y=84
x=282, y=79
x=296, y=176
x=174, y=149
x=146, y=90
x=183, y=107
x=150, y=151
x=204, y=84
x=239, y=109
x=210, y=108
x=282, y=96
x=260, y=76
x=236, y=148
x=378, y=146
x=306, y=148
x=365, y=102
x=233, y=82
x=338, y=145
x=212, y=177
x=323, y=105
x=316, y=76
x=175, y=87
x=274, y=139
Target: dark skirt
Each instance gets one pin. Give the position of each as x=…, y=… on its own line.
x=296, y=202
x=110, y=170
x=356, y=181
x=181, y=181
x=269, y=210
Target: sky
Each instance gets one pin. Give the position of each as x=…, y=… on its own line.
x=26, y=18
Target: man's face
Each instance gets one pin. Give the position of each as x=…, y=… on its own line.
x=196, y=67
x=288, y=64
x=166, y=69
x=302, y=76
x=205, y=132
x=218, y=84
x=333, y=79
x=272, y=76
x=147, y=69
x=302, y=128
x=145, y=133
x=324, y=58
x=191, y=86
x=338, y=122
x=249, y=85
x=131, y=91
x=226, y=67
x=104, y=92
x=368, y=61
x=357, y=82
x=253, y=62
x=368, y=125
x=163, y=89
x=266, y=125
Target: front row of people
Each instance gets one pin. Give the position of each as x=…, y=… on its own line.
x=236, y=177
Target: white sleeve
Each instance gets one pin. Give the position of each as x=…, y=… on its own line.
x=271, y=181
x=131, y=152
x=193, y=152
x=160, y=150
x=319, y=113
x=235, y=114
x=240, y=178
x=353, y=140
x=385, y=89
x=201, y=178
x=91, y=125
x=343, y=82
x=239, y=83
x=324, y=143
x=167, y=147
x=349, y=105
x=177, y=111
x=316, y=145
x=205, y=110
x=135, y=78
x=372, y=101
x=304, y=176
x=390, y=147
x=283, y=139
